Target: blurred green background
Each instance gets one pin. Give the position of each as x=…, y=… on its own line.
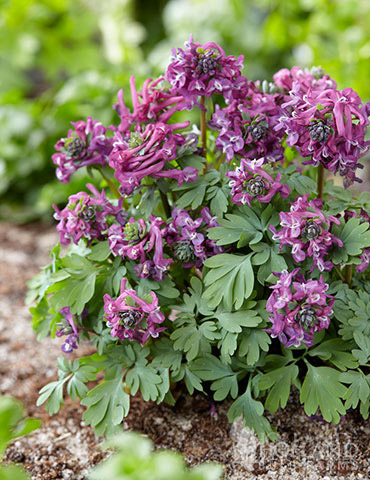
x=62, y=60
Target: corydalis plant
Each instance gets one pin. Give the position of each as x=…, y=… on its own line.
x=220, y=258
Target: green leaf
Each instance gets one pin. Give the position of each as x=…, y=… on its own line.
x=235, y=321
x=358, y=391
x=279, y=382
x=336, y=351
x=99, y=252
x=252, y=412
x=231, y=230
x=301, y=183
x=355, y=237
x=145, y=378
x=322, y=389
x=53, y=393
x=230, y=279
x=253, y=340
x=225, y=380
x=108, y=404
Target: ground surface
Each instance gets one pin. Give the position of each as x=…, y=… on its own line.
x=64, y=448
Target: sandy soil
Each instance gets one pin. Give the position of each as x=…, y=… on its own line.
x=64, y=448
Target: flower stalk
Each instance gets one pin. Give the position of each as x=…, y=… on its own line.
x=320, y=181
x=203, y=127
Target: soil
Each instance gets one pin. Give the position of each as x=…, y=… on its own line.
x=65, y=448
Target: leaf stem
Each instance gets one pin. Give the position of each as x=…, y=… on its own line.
x=165, y=203
x=203, y=127
x=348, y=275
x=340, y=274
x=320, y=181
x=111, y=185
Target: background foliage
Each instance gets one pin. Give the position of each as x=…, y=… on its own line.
x=62, y=60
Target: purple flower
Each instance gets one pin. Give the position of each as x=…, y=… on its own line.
x=153, y=103
x=299, y=308
x=131, y=317
x=250, y=181
x=188, y=238
x=329, y=127
x=307, y=79
x=148, y=154
x=247, y=126
x=307, y=231
x=136, y=240
x=68, y=327
x=85, y=216
x=86, y=145
x=204, y=70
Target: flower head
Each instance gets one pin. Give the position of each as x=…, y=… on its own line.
x=86, y=216
x=251, y=181
x=86, y=145
x=204, y=70
x=299, y=308
x=68, y=327
x=148, y=154
x=131, y=317
x=307, y=231
x=188, y=238
x=142, y=241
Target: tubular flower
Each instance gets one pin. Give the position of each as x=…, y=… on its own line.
x=136, y=240
x=329, y=127
x=68, y=327
x=148, y=153
x=299, y=308
x=307, y=231
x=307, y=79
x=131, y=317
x=187, y=237
x=204, y=70
x=86, y=145
x=153, y=103
x=247, y=126
x=86, y=216
x=251, y=181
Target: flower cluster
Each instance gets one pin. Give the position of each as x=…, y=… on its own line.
x=86, y=145
x=68, y=327
x=204, y=70
x=148, y=154
x=250, y=180
x=328, y=126
x=188, y=239
x=307, y=231
x=153, y=104
x=136, y=240
x=299, y=308
x=247, y=126
x=85, y=216
x=131, y=317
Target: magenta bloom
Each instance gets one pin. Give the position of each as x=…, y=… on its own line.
x=68, y=328
x=307, y=231
x=250, y=181
x=131, y=317
x=148, y=154
x=188, y=238
x=85, y=216
x=299, y=308
x=307, y=79
x=153, y=104
x=247, y=126
x=143, y=241
x=86, y=145
x=329, y=127
x=204, y=70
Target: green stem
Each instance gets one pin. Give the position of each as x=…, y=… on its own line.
x=165, y=203
x=340, y=274
x=111, y=185
x=348, y=275
x=203, y=127
x=320, y=181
